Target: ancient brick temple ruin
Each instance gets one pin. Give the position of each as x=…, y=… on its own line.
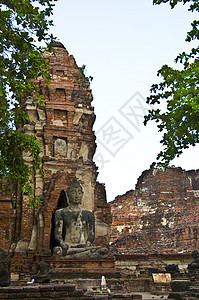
x=161, y=216
x=63, y=128
x=153, y=226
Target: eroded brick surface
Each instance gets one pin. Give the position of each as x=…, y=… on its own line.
x=160, y=216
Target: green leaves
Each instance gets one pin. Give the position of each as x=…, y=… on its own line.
x=24, y=23
x=179, y=91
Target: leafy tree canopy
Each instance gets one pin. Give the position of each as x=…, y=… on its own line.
x=24, y=25
x=179, y=88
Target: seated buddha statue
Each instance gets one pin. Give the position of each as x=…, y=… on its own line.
x=75, y=228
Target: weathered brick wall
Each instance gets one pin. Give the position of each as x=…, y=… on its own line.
x=160, y=216
x=103, y=217
x=7, y=221
x=8, y=230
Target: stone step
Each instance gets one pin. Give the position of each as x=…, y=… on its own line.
x=183, y=295
x=194, y=289
x=63, y=263
x=41, y=291
x=58, y=292
x=71, y=273
x=114, y=285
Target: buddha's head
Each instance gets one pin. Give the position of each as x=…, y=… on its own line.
x=74, y=192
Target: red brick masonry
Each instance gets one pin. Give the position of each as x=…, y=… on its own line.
x=160, y=216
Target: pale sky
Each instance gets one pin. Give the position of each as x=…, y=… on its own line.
x=123, y=44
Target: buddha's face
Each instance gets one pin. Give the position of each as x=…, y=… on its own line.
x=75, y=195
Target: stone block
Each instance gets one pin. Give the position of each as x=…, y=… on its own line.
x=180, y=285
x=17, y=296
x=33, y=295
x=161, y=277
x=176, y=296
x=136, y=297
x=46, y=288
x=76, y=293
x=64, y=287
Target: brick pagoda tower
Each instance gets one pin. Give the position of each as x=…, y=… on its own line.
x=63, y=128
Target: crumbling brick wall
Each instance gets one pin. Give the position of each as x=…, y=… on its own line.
x=160, y=216
x=102, y=212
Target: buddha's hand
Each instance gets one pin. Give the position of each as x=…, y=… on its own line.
x=64, y=248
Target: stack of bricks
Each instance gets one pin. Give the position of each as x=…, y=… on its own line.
x=160, y=216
